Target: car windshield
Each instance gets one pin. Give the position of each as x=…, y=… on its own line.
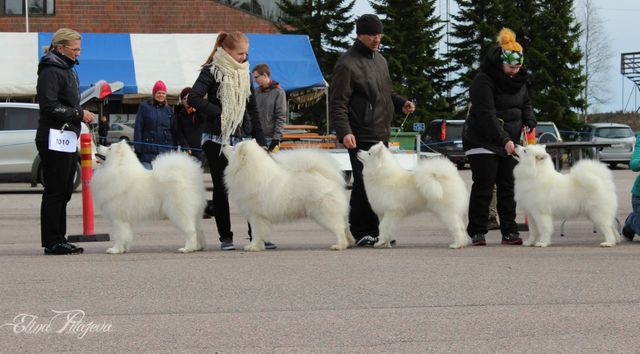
x=545, y=128
x=614, y=132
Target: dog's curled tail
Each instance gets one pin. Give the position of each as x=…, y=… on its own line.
x=592, y=175
x=432, y=177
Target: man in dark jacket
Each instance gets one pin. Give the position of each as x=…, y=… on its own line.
x=361, y=107
x=56, y=138
x=500, y=108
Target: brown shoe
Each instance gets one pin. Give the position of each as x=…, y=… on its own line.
x=511, y=239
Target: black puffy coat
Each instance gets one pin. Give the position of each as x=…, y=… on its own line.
x=58, y=92
x=500, y=107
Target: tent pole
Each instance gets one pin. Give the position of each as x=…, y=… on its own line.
x=326, y=100
x=26, y=15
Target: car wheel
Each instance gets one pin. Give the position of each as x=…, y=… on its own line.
x=77, y=177
x=124, y=138
x=613, y=164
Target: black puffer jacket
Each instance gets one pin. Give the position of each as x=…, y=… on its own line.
x=500, y=106
x=362, y=101
x=211, y=108
x=58, y=92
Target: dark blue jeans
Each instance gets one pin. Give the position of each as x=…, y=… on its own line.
x=633, y=220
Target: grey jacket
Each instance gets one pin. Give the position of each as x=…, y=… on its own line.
x=362, y=101
x=272, y=105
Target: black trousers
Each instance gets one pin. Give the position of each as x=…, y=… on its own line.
x=362, y=220
x=488, y=170
x=58, y=170
x=217, y=163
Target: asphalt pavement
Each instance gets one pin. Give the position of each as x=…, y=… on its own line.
x=420, y=296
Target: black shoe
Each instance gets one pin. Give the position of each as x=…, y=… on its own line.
x=63, y=248
x=367, y=241
x=478, y=240
x=511, y=239
x=628, y=233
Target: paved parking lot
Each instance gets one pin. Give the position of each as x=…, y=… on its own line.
x=418, y=297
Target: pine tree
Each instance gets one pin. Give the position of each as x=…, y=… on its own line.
x=474, y=31
x=410, y=45
x=328, y=25
x=557, y=80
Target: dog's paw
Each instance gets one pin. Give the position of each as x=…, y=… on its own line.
x=114, y=250
x=382, y=244
x=527, y=243
x=254, y=247
x=186, y=250
x=541, y=244
x=456, y=246
x=607, y=244
x=338, y=247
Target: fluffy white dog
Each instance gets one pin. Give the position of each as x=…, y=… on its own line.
x=286, y=186
x=543, y=193
x=393, y=192
x=126, y=193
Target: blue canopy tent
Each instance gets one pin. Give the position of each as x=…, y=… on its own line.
x=139, y=60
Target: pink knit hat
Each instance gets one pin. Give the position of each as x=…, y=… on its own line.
x=159, y=86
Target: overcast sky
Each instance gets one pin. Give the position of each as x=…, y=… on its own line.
x=621, y=20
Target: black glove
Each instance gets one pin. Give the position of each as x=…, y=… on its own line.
x=273, y=144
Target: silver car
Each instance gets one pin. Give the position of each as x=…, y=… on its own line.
x=19, y=160
x=620, y=136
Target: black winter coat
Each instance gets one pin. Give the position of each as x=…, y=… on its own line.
x=189, y=129
x=362, y=101
x=58, y=92
x=500, y=107
x=211, y=108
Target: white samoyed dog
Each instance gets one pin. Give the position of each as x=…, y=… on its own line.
x=126, y=193
x=543, y=193
x=393, y=192
x=286, y=186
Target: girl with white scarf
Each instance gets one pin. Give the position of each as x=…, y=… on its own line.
x=231, y=115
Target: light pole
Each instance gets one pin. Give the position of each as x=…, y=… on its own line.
x=26, y=14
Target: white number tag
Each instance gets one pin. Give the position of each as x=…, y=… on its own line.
x=62, y=140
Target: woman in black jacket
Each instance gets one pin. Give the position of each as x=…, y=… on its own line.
x=58, y=92
x=500, y=108
x=226, y=81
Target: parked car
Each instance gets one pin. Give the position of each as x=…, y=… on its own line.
x=620, y=136
x=445, y=137
x=547, y=132
x=19, y=160
x=119, y=131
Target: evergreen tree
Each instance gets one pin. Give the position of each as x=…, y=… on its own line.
x=557, y=80
x=410, y=45
x=328, y=25
x=474, y=31
x=326, y=22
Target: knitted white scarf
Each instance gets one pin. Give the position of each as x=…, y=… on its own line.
x=233, y=92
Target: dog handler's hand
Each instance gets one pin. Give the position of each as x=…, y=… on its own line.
x=408, y=107
x=349, y=141
x=87, y=116
x=510, y=147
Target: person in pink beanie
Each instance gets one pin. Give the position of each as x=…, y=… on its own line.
x=154, y=131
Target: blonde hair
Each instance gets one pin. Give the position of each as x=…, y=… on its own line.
x=507, y=40
x=62, y=37
x=228, y=41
